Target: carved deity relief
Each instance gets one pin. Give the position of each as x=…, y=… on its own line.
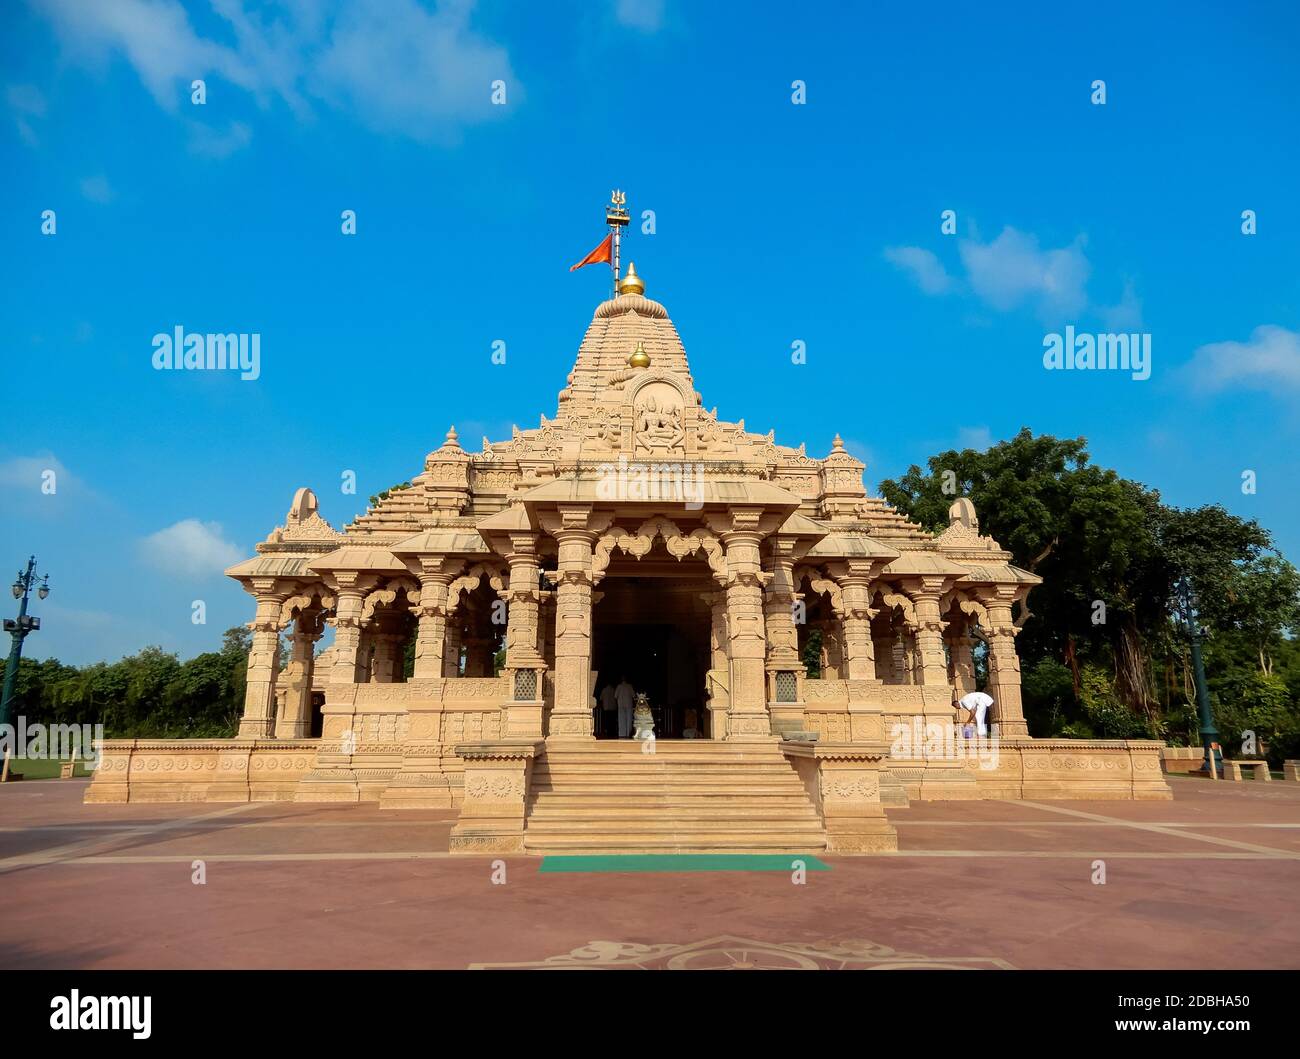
x=658, y=425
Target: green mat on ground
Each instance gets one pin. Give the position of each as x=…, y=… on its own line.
x=683, y=862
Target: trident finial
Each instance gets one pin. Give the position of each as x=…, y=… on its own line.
x=616, y=216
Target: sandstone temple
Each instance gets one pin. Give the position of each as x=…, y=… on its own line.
x=478, y=612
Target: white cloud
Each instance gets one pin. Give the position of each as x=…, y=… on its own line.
x=27, y=103
x=208, y=142
x=975, y=437
x=922, y=265
x=1269, y=360
x=1012, y=270
x=398, y=65
x=645, y=15
x=33, y=473
x=1126, y=314
x=190, y=548
x=96, y=188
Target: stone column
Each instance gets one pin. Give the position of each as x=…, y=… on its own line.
x=859, y=649
x=748, y=718
x=451, y=648
x=385, y=664
x=524, y=665
x=478, y=656
x=430, y=634
x=719, y=675
x=571, y=715
x=295, y=723
x=832, y=650
x=962, y=669
x=929, y=633
x=884, y=646
x=347, y=635
x=901, y=662
x=263, y=664
x=779, y=598
x=523, y=600
x=1004, y=670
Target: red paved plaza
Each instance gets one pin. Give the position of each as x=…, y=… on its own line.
x=1207, y=880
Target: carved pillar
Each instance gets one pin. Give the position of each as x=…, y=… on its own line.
x=748, y=718
x=884, y=647
x=451, y=648
x=385, y=664
x=929, y=633
x=1004, y=670
x=523, y=600
x=719, y=676
x=962, y=667
x=571, y=716
x=295, y=722
x=478, y=656
x=854, y=579
x=546, y=629
x=430, y=634
x=524, y=664
x=832, y=650
x=785, y=671
x=348, y=661
x=263, y=664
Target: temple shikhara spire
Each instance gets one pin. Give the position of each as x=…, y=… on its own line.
x=796, y=649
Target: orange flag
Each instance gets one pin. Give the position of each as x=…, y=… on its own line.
x=604, y=252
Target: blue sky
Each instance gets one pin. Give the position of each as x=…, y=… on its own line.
x=775, y=223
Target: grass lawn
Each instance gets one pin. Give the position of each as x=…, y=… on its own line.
x=42, y=768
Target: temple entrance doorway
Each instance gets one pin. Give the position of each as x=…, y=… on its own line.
x=654, y=631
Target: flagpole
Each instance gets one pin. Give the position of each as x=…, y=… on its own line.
x=616, y=217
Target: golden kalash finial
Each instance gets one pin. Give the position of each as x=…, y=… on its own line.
x=639, y=358
x=631, y=283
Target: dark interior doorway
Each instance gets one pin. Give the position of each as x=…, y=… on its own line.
x=654, y=633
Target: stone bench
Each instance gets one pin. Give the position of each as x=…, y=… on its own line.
x=1232, y=770
x=1291, y=770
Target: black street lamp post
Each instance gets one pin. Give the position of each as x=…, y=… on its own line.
x=1187, y=606
x=18, y=630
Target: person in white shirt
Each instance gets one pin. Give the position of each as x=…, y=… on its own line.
x=625, y=697
x=607, y=705
x=977, y=704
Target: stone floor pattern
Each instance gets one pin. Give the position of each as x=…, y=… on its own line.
x=1207, y=880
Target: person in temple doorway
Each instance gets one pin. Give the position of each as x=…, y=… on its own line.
x=625, y=697
x=608, y=708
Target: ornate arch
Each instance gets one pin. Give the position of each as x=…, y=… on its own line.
x=470, y=580
x=967, y=605
x=638, y=544
x=387, y=595
x=899, y=602
x=303, y=598
x=819, y=582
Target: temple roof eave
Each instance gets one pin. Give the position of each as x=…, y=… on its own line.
x=276, y=565
x=842, y=545
x=351, y=557
x=442, y=542
x=999, y=573
x=918, y=563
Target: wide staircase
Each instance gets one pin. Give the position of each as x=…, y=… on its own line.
x=688, y=796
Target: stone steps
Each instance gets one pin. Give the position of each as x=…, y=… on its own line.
x=692, y=796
